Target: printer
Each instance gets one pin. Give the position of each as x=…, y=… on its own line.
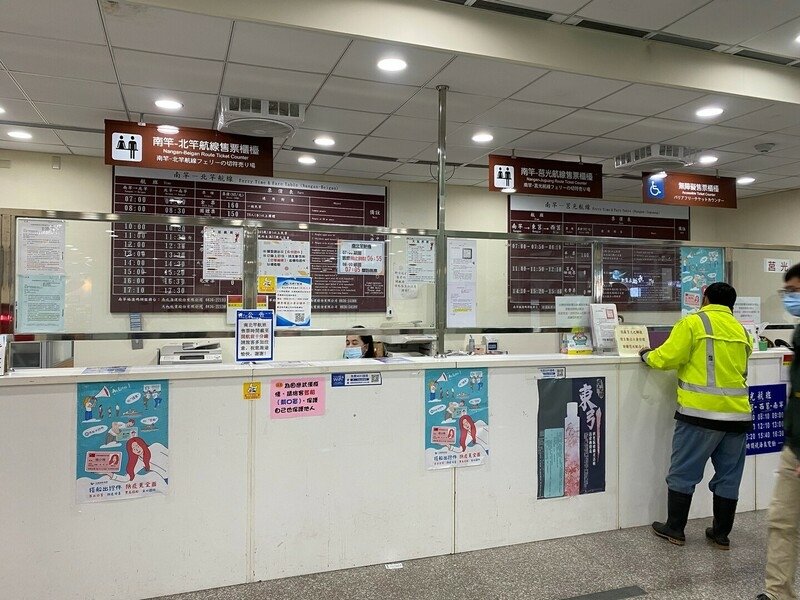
x=190, y=352
x=412, y=344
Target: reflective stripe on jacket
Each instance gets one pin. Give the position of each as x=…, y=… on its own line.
x=710, y=350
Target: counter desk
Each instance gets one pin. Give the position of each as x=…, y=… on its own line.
x=253, y=498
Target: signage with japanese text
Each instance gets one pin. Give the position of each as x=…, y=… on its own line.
x=689, y=189
x=545, y=177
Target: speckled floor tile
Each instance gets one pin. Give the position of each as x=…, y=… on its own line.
x=551, y=570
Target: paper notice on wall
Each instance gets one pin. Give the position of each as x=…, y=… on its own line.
x=360, y=258
x=572, y=311
x=748, y=309
x=254, y=335
x=604, y=321
x=40, y=303
x=403, y=288
x=462, y=304
x=462, y=260
x=300, y=397
x=41, y=246
x=223, y=253
x=631, y=339
x=236, y=302
x=284, y=258
x=421, y=259
x=293, y=302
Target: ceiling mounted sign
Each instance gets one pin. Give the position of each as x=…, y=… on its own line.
x=186, y=149
x=689, y=189
x=545, y=177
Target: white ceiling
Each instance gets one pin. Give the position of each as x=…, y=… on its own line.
x=69, y=65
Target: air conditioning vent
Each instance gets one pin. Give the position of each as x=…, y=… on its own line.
x=258, y=117
x=656, y=156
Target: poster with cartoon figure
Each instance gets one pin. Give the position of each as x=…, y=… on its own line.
x=123, y=440
x=456, y=418
x=700, y=267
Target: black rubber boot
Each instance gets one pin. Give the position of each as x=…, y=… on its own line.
x=724, y=514
x=677, y=514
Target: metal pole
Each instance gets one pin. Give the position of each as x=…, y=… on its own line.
x=441, y=240
x=597, y=272
x=250, y=268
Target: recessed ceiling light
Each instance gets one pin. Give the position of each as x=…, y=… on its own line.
x=20, y=135
x=168, y=104
x=482, y=138
x=307, y=160
x=708, y=159
x=167, y=129
x=745, y=180
x=508, y=190
x=392, y=64
x=324, y=140
x=797, y=39
x=659, y=175
x=2, y=110
x=709, y=111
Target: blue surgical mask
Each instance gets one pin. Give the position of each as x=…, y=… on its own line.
x=353, y=352
x=791, y=302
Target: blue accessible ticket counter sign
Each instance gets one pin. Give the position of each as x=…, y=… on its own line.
x=348, y=379
x=768, y=403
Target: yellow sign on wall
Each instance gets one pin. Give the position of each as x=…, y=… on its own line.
x=251, y=390
x=267, y=284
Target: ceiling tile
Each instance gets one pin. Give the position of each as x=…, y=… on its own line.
x=367, y=165
x=724, y=158
x=8, y=88
x=351, y=173
x=299, y=171
x=81, y=151
x=82, y=139
x=574, y=157
x=460, y=181
x=460, y=107
x=591, y=122
x=376, y=146
x=502, y=136
x=340, y=120
x=427, y=172
x=285, y=48
x=713, y=136
x=772, y=118
x=640, y=99
x=791, y=169
x=521, y=115
x=77, y=20
x=602, y=147
x=456, y=154
x=178, y=121
x=780, y=40
x=304, y=138
x=486, y=77
x=78, y=92
x=733, y=21
x=734, y=106
x=56, y=57
x=40, y=136
x=793, y=152
x=409, y=128
x=785, y=183
x=29, y=147
x=361, y=62
x=554, y=6
x=758, y=163
x=782, y=143
x=78, y=116
x=654, y=130
x=521, y=152
x=142, y=100
x=271, y=84
x=19, y=110
x=474, y=173
x=407, y=178
x=289, y=157
x=638, y=14
x=167, y=31
x=369, y=96
x=169, y=72
x=568, y=89
x=544, y=141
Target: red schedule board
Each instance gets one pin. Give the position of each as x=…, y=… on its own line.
x=635, y=278
x=159, y=267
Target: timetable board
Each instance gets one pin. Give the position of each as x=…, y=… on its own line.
x=159, y=267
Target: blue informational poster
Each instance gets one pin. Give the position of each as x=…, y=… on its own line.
x=700, y=267
x=293, y=302
x=123, y=440
x=456, y=418
x=768, y=403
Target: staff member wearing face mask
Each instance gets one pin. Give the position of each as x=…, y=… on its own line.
x=784, y=511
x=359, y=346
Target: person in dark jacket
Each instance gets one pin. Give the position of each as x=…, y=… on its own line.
x=784, y=511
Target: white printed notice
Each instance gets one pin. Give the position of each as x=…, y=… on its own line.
x=462, y=282
x=361, y=258
x=40, y=246
x=254, y=335
x=748, y=309
x=40, y=303
x=572, y=311
x=421, y=259
x=284, y=258
x=293, y=302
x=223, y=253
x=402, y=287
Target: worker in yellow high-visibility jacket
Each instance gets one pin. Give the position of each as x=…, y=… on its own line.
x=710, y=350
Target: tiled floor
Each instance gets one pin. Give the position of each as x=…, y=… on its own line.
x=552, y=570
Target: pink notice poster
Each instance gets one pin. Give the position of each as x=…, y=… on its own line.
x=297, y=397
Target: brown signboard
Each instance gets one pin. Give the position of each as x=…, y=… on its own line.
x=186, y=149
x=689, y=189
x=545, y=177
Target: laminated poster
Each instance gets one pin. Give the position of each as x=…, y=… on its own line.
x=223, y=253
x=768, y=403
x=700, y=267
x=361, y=258
x=293, y=302
x=456, y=418
x=123, y=440
x=571, y=437
x=421, y=259
x=40, y=303
x=284, y=258
x=41, y=247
